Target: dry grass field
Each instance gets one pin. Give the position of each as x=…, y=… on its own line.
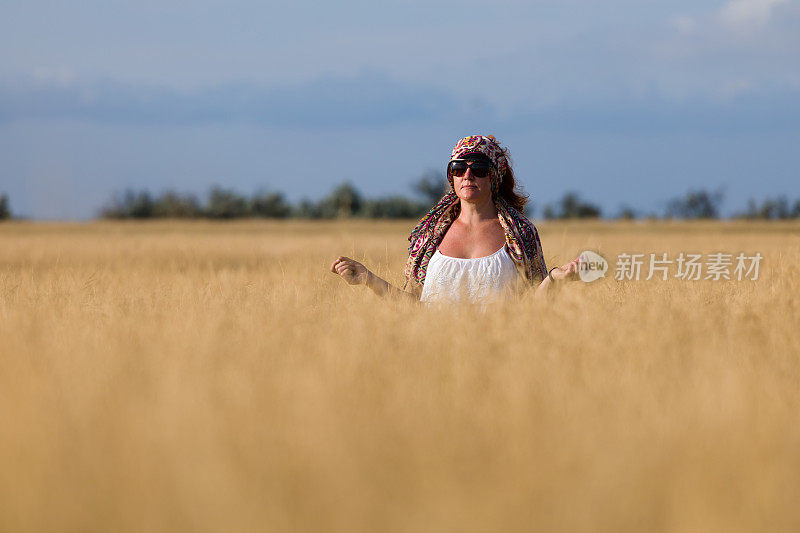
x=175, y=376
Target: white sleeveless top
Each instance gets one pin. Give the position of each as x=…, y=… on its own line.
x=478, y=280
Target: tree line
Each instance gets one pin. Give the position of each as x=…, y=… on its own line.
x=345, y=201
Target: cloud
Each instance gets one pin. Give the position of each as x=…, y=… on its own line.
x=368, y=99
x=62, y=75
x=684, y=24
x=372, y=99
x=739, y=16
x=748, y=15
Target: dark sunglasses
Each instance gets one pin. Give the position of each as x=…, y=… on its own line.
x=458, y=167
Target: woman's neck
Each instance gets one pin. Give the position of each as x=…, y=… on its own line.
x=476, y=213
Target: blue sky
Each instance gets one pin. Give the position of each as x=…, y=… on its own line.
x=625, y=102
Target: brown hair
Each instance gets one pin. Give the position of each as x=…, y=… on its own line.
x=508, y=187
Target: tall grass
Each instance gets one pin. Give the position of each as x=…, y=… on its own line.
x=216, y=377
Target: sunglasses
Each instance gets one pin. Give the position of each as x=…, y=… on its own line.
x=458, y=167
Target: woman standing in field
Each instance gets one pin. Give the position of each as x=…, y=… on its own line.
x=475, y=244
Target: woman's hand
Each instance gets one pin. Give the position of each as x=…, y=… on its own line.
x=355, y=273
x=568, y=271
x=351, y=271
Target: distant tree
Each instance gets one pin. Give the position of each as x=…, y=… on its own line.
x=626, y=212
x=343, y=202
x=226, y=203
x=431, y=186
x=174, y=205
x=5, y=211
x=571, y=206
x=270, y=205
x=131, y=204
x=695, y=204
x=393, y=207
x=307, y=209
x=771, y=209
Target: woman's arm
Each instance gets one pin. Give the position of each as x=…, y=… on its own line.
x=568, y=271
x=355, y=273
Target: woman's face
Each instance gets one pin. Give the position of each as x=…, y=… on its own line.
x=472, y=189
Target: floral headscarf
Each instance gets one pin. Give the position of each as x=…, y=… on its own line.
x=488, y=146
x=522, y=239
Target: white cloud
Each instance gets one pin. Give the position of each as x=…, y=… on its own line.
x=748, y=15
x=62, y=75
x=684, y=24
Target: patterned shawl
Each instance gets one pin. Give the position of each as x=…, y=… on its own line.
x=522, y=239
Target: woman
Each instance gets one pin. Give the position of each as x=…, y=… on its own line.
x=475, y=244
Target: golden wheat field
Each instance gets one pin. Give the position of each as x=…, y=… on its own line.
x=175, y=376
